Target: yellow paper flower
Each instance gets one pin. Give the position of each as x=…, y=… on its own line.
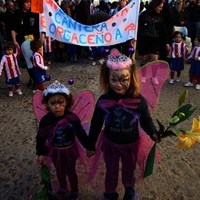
x=191, y=137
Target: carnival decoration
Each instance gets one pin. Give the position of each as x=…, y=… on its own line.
x=117, y=29
x=186, y=139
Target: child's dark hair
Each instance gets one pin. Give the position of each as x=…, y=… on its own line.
x=36, y=44
x=175, y=33
x=21, y=3
x=198, y=38
x=69, y=99
x=104, y=80
x=9, y=45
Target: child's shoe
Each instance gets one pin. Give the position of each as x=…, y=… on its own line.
x=155, y=80
x=110, y=196
x=171, y=81
x=101, y=61
x=177, y=80
x=189, y=84
x=74, y=195
x=19, y=92
x=10, y=94
x=197, y=87
x=94, y=63
x=129, y=193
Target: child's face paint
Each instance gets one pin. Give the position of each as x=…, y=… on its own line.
x=57, y=104
x=120, y=80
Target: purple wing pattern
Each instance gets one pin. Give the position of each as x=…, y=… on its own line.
x=150, y=90
x=83, y=105
x=39, y=108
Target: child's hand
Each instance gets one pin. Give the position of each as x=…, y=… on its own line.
x=41, y=159
x=156, y=138
x=90, y=153
x=46, y=68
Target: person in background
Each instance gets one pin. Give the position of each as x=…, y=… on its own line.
x=194, y=72
x=7, y=18
x=48, y=49
x=151, y=32
x=178, y=52
x=193, y=25
x=179, y=15
x=9, y=65
x=39, y=69
x=24, y=28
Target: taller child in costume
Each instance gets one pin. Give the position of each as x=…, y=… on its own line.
x=120, y=110
x=56, y=137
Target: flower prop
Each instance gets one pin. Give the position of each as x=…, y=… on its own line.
x=189, y=138
x=186, y=138
x=183, y=112
x=46, y=192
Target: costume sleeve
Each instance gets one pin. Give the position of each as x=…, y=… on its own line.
x=80, y=133
x=37, y=59
x=146, y=120
x=96, y=127
x=41, y=137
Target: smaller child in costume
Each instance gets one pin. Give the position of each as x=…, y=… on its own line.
x=120, y=110
x=39, y=69
x=194, y=72
x=56, y=137
x=177, y=53
x=9, y=65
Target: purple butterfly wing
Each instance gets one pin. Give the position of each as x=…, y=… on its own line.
x=150, y=90
x=39, y=108
x=83, y=105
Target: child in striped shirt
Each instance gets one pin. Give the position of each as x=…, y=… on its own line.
x=9, y=65
x=194, y=72
x=39, y=69
x=177, y=53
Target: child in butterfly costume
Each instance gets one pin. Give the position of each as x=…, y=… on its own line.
x=120, y=110
x=56, y=137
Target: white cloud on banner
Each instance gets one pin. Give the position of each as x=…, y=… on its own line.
x=119, y=28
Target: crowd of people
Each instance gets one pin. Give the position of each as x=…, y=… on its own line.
x=155, y=31
x=121, y=108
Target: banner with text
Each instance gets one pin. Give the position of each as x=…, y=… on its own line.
x=119, y=28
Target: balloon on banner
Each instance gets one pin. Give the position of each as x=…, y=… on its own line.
x=131, y=51
x=70, y=81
